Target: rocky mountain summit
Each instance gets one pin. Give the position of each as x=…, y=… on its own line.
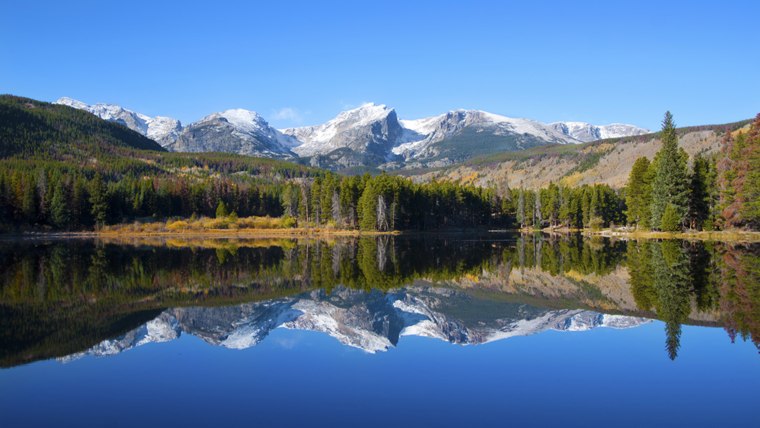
x=371, y=135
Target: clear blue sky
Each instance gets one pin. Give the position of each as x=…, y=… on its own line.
x=303, y=62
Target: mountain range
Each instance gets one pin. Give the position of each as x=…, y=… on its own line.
x=371, y=321
x=371, y=135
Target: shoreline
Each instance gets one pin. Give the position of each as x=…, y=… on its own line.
x=208, y=233
x=728, y=236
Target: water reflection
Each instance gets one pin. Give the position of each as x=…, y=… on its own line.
x=66, y=298
x=371, y=321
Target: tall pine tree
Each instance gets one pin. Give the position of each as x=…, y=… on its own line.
x=638, y=196
x=670, y=184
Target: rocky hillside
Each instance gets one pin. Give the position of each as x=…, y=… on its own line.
x=606, y=161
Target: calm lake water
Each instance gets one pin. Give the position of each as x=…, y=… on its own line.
x=491, y=330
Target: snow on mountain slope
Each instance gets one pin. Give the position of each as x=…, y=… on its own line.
x=238, y=131
x=586, y=132
x=515, y=133
x=370, y=135
x=372, y=128
x=163, y=130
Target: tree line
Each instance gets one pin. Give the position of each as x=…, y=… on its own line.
x=588, y=206
x=714, y=192
x=385, y=202
x=717, y=192
x=60, y=199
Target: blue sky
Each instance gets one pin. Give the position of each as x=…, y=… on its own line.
x=301, y=63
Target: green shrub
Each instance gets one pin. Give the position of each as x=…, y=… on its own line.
x=596, y=223
x=288, y=222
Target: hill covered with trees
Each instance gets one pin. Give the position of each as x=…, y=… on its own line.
x=718, y=190
x=65, y=169
x=600, y=162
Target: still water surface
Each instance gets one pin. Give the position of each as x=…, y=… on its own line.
x=497, y=330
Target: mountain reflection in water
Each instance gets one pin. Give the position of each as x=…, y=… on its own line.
x=371, y=321
x=65, y=299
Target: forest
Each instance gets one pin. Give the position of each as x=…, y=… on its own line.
x=715, y=192
x=66, y=170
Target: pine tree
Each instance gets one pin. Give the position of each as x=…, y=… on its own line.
x=316, y=201
x=221, y=210
x=670, y=182
x=750, y=189
x=60, y=214
x=98, y=202
x=699, y=194
x=29, y=201
x=521, y=208
x=638, y=196
x=671, y=220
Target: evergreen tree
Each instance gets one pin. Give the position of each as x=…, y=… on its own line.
x=521, y=208
x=98, y=202
x=671, y=219
x=671, y=283
x=699, y=194
x=750, y=188
x=638, y=195
x=670, y=181
x=60, y=214
x=221, y=210
x=29, y=201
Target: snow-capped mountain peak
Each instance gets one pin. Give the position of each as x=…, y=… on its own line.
x=368, y=129
x=71, y=102
x=368, y=135
x=364, y=114
x=244, y=119
x=503, y=133
x=235, y=131
x=163, y=130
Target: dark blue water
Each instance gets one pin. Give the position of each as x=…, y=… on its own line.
x=402, y=332
x=297, y=378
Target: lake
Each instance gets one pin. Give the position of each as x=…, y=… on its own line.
x=421, y=330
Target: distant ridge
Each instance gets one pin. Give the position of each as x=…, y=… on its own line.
x=369, y=136
x=36, y=127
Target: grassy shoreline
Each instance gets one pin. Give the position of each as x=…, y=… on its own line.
x=735, y=236
x=264, y=227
